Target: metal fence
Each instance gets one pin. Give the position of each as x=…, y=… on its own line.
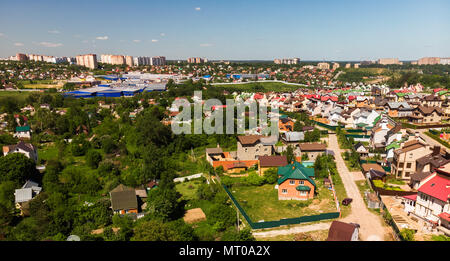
x=281, y=222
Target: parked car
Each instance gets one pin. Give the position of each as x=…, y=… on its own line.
x=347, y=201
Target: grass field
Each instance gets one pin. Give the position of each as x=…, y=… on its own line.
x=18, y=95
x=188, y=189
x=261, y=203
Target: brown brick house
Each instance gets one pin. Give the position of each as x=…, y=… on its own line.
x=404, y=162
x=250, y=147
x=267, y=162
x=295, y=182
x=426, y=115
x=313, y=150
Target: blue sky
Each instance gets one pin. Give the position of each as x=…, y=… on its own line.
x=232, y=29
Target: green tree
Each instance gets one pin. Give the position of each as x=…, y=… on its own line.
x=93, y=158
x=17, y=168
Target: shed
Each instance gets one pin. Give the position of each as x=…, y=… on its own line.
x=340, y=231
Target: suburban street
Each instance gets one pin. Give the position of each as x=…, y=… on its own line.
x=372, y=226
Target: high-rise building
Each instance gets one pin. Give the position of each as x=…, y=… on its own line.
x=113, y=59
x=158, y=61
x=87, y=60
x=287, y=61
x=387, y=61
x=323, y=66
x=335, y=66
x=357, y=65
x=429, y=61
x=445, y=61
x=197, y=60
x=21, y=57
x=348, y=65
x=129, y=60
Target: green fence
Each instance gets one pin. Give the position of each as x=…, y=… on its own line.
x=356, y=136
x=333, y=128
x=281, y=222
x=354, y=131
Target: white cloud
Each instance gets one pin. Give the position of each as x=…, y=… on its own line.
x=206, y=45
x=137, y=41
x=53, y=32
x=85, y=41
x=102, y=38
x=18, y=44
x=198, y=9
x=154, y=40
x=163, y=34
x=48, y=44
x=1, y=34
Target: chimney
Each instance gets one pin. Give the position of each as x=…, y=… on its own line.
x=436, y=150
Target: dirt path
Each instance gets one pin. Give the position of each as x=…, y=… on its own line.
x=372, y=228
x=293, y=230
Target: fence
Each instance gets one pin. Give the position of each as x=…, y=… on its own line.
x=333, y=128
x=357, y=136
x=281, y=222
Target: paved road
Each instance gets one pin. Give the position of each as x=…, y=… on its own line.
x=293, y=230
x=372, y=226
x=429, y=140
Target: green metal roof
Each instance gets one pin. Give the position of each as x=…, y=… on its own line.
x=376, y=120
x=22, y=128
x=361, y=124
x=303, y=188
x=296, y=171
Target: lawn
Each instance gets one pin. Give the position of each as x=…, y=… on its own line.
x=349, y=167
x=261, y=203
x=341, y=194
x=188, y=189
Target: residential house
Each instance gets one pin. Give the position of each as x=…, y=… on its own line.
x=23, y=132
x=361, y=149
x=27, y=149
x=214, y=154
x=285, y=125
x=373, y=171
x=312, y=150
x=404, y=161
x=295, y=182
x=426, y=115
x=409, y=203
x=292, y=138
x=365, y=118
x=398, y=109
x=432, y=101
x=341, y=231
x=433, y=198
x=267, y=162
x=124, y=200
x=250, y=147
x=23, y=195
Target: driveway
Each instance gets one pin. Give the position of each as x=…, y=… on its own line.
x=293, y=230
x=372, y=226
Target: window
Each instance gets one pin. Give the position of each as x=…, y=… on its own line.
x=408, y=165
x=401, y=165
x=284, y=191
x=301, y=182
x=303, y=193
x=246, y=150
x=407, y=174
x=292, y=182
